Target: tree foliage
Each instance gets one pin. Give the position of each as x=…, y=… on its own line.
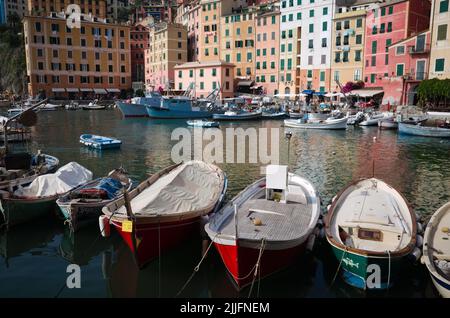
x=434, y=93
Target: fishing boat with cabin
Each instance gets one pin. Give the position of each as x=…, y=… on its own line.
x=165, y=209
x=266, y=226
x=370, y=223
x=137, y=106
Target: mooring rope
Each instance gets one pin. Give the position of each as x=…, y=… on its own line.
x=197, y=268
x=257, y=267
x=339, y=267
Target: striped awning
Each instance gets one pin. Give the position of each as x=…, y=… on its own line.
x=58, y=90
x=72, y=90
x=113, y=90
x=99, y=91
x=86, y=89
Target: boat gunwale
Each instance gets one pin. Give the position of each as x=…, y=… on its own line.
x=394, y=254
x=110, y=209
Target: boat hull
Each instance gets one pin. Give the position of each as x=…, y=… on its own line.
x=19, y=211
x=80, y=216
x=251, y=116
x=358, y=268
x=387, y=124
x=332, y=125
x=132, y=110
x=149, y=241
x=416, y=130
x=240, y=260
x=163, y=113
x=273, y=116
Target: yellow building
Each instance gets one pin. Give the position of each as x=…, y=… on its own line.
x=347, y=61
x=440, y=40
x=238, y=42
x=167, y=48
x=43, y=7
x=62, y=61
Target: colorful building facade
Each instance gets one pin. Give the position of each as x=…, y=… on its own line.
x=386, y=24
x=440, y=42
x=139, y=42
x=76, y=62
x=168, y=47
x=205, y=77
x=96, y=8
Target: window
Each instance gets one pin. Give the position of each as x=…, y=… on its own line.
x=357, y=75
x=324, y=26
x=400, y=69
x=322, y=76
x=389, y=28
x=400, y=50
x=325, y=11
x=358, y=55
x=358, y=39
x=374, y=61
x=214, y=72
x=440, y=65
x=202, y=72
x=442, y=32
x=372, y=78
x=374, y=47
x=336, y=75
x=359, y=23
x=311, y=28
x=443, y=6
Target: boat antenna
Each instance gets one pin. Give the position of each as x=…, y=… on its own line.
x=288, y=136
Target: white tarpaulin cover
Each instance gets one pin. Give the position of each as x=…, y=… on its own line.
x=66, y=178
x=190, y=187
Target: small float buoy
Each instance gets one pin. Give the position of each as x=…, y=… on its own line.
x=419, y=227
x=419, y=241
x=104, y=225
x=257, y=222
x=334, y=152
x=329, y=207
x=374, y=138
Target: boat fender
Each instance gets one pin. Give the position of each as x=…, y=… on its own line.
x=415, y=254
x=419, y=241
x=328, y=208
x=423, y=259
x=322, y=233
x=105, y=227
x=417, y=216
x=334, y=198
x=310, y=243
x=419, y=227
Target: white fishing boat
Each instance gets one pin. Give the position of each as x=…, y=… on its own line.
x=388, y=123
x=372, y=119
x=202, y=123
x=371, y=223
x=424, y=131
x=93, y=106
x=266, y=226
x=329, y=124
x=50, y=107
x=436, y=250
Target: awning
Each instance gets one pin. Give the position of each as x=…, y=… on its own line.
x=366, y=92
x=99, y=91
x=256, y=87
x=308, y=92
x=319, y=93
x=245, y=83
x=58, y=90
x=113, y=90
x=86, y=89
x=72, y=90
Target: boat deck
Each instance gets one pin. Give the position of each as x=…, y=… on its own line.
x=279, y=221
x=441, y=244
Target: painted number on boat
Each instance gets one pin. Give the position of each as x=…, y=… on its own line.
x=127, y=226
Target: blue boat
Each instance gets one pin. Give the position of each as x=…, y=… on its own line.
x=202, y=123
x=137, y=107
x=99, y=142
x=178, y=107
x=238, y=115
x=424, y=131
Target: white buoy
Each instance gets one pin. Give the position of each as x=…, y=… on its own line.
x=310, y=243
x=104, y=225
x=374, y=138
x=334, y=198
x=329, y=207
x=419, y=241
x=416, y=254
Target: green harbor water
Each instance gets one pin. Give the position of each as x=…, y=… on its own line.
x=34, y=257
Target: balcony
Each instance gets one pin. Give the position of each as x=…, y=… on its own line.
x=417, y=76
x=413, y=50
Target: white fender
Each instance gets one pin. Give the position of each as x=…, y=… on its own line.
x=416, y=254
x=105, y=228
x=419, y=241
x=334, y=198
x=419, y=227
x=328, y=208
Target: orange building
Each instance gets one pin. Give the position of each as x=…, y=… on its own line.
x=42, y=7
x=74, y=62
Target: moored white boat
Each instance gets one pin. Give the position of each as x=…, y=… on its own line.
x=424, y=131
x=266, y=226
x=93, y=106
x=370, y=225
x=372, y=119
x=203, y=123
x=165, y=209
x=238, y=115
x=388, y=123
x=436, y=249
x=331, y=124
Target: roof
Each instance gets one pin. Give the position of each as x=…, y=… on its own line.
x=366, y=92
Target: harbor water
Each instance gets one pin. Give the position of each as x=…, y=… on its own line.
x=34, y=257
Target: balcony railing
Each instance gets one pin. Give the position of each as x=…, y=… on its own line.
x=422, y=50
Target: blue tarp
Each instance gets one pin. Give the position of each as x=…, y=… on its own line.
x=111, y=186
x=308, y=92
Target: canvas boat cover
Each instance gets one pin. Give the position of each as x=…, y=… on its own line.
x=66, y=178
x=190, y=187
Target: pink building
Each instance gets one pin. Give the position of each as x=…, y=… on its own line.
x=207, y=76
x=408, y=66
x=267, y=51
x=388, y=23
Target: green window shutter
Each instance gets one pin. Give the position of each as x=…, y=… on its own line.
x=400, y=69
x=443, y=6
x=440, y=65
x=374, y=47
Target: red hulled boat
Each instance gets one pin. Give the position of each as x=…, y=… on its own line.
x=165, y=209
x=266, y=226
